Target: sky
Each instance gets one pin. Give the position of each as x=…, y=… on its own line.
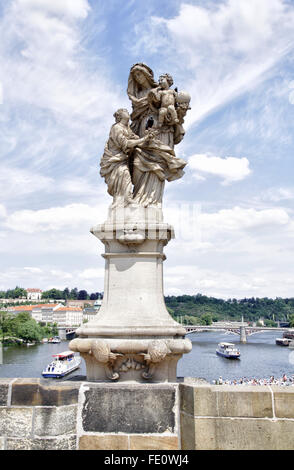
x=64, y=67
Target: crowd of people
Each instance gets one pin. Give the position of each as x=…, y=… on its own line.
x=284, y=380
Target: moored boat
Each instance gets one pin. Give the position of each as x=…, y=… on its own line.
x=228, y=350
x=289, y=334
x=283, y=341
x=63, y=364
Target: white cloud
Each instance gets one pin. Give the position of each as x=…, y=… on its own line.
x=75, y=9
x=57, y=93
x=54, y=219
x=32, y=269
x=92, y=273
x=223, y=283
x=278, y=194
x=226, y=48
x=43, y=44
x=2, y=211
x=19, y=182
x=230, y=169
x=240, y=219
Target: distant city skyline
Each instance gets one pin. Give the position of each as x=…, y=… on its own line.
x=63, y=72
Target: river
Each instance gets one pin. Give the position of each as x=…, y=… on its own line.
x=260, y=358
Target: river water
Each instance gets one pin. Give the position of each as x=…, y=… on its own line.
x=260, y=358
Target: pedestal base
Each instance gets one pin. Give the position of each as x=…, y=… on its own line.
x=133, y=337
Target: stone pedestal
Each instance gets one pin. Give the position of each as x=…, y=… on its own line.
x=133, y=337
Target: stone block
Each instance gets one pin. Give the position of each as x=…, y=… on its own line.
x=39, y=392
x=51, y=421
x=198, y=400
x=104, y=442
x=16, y=422
x=2, y=443
x=4, y=387
x=63, y=443
x=150, y=442
x=237, y=434
x=283, y=401
x=187, y=423
x=129, y=408
x=247, y=401
x=226, y=401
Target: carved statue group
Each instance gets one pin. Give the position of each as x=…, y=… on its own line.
x=139, y=157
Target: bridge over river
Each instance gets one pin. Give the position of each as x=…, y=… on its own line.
x=238, y=328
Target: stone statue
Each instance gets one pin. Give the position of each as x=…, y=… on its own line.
x=167, y=99
x=137, y=159
x=133, y=337
x=115, y=162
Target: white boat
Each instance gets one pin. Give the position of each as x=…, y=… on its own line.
x=63, y=364
x=54, y=340
x=228, y=350
x=283, y=341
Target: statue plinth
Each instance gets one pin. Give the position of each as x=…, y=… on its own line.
x=133, y=337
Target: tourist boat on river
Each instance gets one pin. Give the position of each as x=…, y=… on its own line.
x=54, y=340
x=283, y=341
x=228, y=350
x=64, y=363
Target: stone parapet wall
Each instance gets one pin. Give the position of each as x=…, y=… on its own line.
x=35, y=415
x=40, y=414
x=223, y=417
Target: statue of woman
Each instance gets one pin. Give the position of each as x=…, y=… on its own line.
x=155, y=161
x=140, y=82
x=115, y=162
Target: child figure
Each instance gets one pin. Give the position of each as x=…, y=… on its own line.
x=167, y=98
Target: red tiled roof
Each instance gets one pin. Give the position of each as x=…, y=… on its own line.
x=74, y=309
x=31, y=307
x=23, y=307
x=33, y=290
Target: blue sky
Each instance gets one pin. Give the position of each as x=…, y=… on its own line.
x=64, y=67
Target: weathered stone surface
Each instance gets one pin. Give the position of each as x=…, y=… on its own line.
x=4, y=387
x=16, y=422
x=225, y=400
x=197, y=401
x=63, y=443
x=187, y=424
x=154, y=442
x=283, y=402
x=51, y=421
x=38, y=392
x=106, y=442
x=254, y=402
x=236, y=434
x=2, y=443
x=129, y=409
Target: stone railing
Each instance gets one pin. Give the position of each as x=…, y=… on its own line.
x=223, y=417
x=40, y=414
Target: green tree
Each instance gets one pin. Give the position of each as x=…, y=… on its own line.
x=206, y=319
x=16, y=293
x=83, y=295
x=4, y=324
x=52, y=294
x=66, y=293
x=30, y=331
x=74, y=294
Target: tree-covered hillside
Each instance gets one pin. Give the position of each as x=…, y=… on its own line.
x=199, y=308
